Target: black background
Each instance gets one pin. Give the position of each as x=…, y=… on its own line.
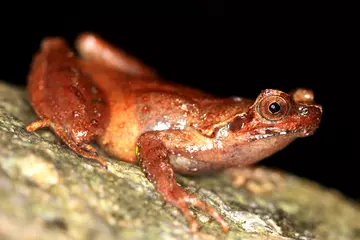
x=239, y=51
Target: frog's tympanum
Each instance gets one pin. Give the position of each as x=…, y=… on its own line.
x=108, y=96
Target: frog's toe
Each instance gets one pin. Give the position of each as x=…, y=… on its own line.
x=88, y=148
x=41, y=123
x=193, y=224
x=184, y=200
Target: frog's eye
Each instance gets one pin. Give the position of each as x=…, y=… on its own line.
x=273, y=108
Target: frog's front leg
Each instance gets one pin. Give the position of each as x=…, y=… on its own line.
x=256, y=179
x=154, y=161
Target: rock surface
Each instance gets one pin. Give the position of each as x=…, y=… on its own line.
x=48, y=192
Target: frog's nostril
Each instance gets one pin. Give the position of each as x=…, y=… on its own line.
x=304, y=111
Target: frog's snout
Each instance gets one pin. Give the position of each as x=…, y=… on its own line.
x=311, y=117
x=316, y=113
x=310, y=112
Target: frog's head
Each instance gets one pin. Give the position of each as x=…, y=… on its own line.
x=276, y=113
x=273, y=121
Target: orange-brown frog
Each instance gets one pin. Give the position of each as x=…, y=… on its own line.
x=136, y=116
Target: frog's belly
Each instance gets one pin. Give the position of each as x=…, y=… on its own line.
x=134, y=114
x=193, y=166
x=122, y=132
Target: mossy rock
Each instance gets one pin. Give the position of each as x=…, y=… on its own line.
x=48, y=192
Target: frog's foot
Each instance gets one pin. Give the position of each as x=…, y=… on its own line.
x=91, y=46
x=83, y=150
x=183, y=200
x=153, y=158
x=256, y=179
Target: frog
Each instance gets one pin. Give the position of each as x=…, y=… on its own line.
x=102, y=94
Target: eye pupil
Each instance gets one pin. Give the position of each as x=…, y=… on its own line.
x=274, y=107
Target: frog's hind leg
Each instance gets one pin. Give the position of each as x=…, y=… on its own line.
x=256, y=179
x=83, y=150
x=153, y=158
x=91, y=46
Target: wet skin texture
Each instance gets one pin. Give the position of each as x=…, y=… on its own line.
x=108, y=96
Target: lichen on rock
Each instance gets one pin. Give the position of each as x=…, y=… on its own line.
x=48, y=192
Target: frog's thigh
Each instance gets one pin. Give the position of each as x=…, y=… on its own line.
x=92, y=46
x=256, y=179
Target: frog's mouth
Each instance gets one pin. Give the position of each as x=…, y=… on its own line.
x=294, y=133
